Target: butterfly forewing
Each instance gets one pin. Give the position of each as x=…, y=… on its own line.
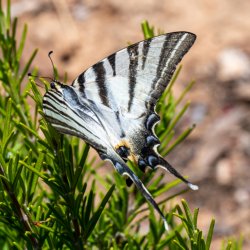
x=134, y=78
x=130, y=82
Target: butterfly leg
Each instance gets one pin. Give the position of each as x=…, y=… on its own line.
x=123, y=169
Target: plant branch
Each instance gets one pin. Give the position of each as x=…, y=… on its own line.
x=24, y=218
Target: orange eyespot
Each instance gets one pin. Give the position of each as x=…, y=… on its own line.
x=125, y=151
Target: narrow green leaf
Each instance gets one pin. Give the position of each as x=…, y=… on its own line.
x=153, y=227
x=76, y=177
x=210, y=234
x=84, y=155
x=184, y=92
x=29, y=129
x=179, y=246
x=193, y=244
x=7, y=140
x=98, y=213
x=7, y=125
x=79, y=199
x=17, y=177
x=2, y=162
x=4, y=178
x=16, y=245
x=27, y=66
x=147, y=30
x=34, y=178
x=8, y=15
x=167, y=187
x=49, y=229
x=44, y=144
x=177, y=118
x=165, y=139
x=181, y=138
x=59, y=215
x=202, y=244
x=187, y=212
x=21, y=192
x=229, y=245
x=37, y=97
x=89, y=207
x=14, y=27
x=154, y=186
x=195, y=219
x=20, y=112
x=171, y=83
x=181, y=240
x=22, y=42
x=199, y=239
x=34, y=170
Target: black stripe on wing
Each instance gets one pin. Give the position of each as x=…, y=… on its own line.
x=100, y=73
x=170, y=41
x=133, y=69
x=145, y=49
x=111, y=60
x=175, y=46
x=49, y=103
x=81, y=81
x=157, y=58
x=77, y=120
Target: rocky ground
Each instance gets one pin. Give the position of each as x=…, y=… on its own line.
x=217, y=154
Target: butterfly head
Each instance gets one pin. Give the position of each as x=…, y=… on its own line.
x=56, y=85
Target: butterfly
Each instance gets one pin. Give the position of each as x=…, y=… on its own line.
x=111, y=105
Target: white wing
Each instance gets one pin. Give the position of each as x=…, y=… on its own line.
x=132, y=79
x=111, y=105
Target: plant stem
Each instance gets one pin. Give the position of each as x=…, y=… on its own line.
x=19, y=211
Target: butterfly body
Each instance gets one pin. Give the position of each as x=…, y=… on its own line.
x=111, y=105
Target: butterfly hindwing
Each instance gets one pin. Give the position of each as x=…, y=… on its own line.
x=70, y=115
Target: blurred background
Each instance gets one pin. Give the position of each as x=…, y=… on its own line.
x=216, y=156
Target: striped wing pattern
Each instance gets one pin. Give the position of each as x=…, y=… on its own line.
x=145, y=68
x=111, y=105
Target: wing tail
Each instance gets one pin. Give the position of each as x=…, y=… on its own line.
x=166, y=166
x=123, y=169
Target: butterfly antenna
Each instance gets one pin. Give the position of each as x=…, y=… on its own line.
x=53, y=66
x=38, y=84
x=45, y=77
x=30, y=75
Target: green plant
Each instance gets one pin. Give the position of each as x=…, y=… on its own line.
x=48, y=193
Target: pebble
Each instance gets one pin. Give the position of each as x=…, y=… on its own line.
x=233, y=65
x=223, y=172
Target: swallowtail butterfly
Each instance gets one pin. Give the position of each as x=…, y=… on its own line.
x=111, y=105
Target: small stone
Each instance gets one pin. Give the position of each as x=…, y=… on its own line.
x=223, y=172
x=199, y=112
x=233, y=65
x=242, y=196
